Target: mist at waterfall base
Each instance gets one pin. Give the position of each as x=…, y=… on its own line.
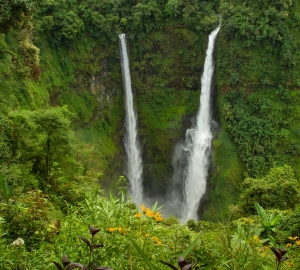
x=192, y=157
x=132, y=146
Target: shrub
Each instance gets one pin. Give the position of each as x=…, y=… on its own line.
x=29, y=218
x=279, y=189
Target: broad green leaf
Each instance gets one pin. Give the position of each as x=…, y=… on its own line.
x=275, y=221
x=262, y=214
x=272, y=240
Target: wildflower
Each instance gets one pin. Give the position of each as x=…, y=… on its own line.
x=143, y=208
x=137, y=215
x=158, y=218
x=150, y=213
x=256, y=238
x=18, y=242
x=111, y=229
x=288, y=245
x=293, y=238
x=155, y=239
x=298, y=242
x=119, y=229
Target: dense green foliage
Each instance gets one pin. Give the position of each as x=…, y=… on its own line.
x=257, y=75
x=234, y=245
x=61, y=126
x=278, y=189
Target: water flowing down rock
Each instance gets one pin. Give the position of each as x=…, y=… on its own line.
x=134, y=160
x=191, y=158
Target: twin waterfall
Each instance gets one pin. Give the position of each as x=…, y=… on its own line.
x=134, y=160
x=192, y=162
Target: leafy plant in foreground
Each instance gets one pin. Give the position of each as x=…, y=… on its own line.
x=269, y=223
x=67, y=265
x=6, y=191
x=279, y=253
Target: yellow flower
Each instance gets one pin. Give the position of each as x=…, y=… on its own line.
x=143, y=208
x=158, y=218
x=119, y=229
x=137, y=215
x=147, y=234
x=256, y=238
x=150, y=213
x=111, y=229
x=155, y=239
x=288, y=245
x=298, y=242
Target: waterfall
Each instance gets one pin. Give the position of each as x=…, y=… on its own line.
x=191, y=158
x=134, y=161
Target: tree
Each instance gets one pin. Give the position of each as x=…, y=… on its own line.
x=15, y=14
x=44, y=139
x=72, y=26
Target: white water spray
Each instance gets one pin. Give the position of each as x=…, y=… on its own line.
x=198, y=141
x=134, y=162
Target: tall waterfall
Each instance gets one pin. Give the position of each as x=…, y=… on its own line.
x=191, y=158
x=134, y=160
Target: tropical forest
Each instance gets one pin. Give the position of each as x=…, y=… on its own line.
x=149, y=134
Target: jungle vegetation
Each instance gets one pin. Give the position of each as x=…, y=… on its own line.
x=61, y=126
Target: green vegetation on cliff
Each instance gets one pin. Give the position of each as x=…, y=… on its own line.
x=61, y=128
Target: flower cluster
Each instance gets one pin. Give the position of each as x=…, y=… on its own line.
x=138, y=215
x=157, y=216
x=18, y=242
x=155, y=239
x=256, y=238
x=118, y=229
x=263, y=250
x=296, y=239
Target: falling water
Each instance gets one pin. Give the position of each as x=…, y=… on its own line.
x=134, y=162
x=191, y=158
